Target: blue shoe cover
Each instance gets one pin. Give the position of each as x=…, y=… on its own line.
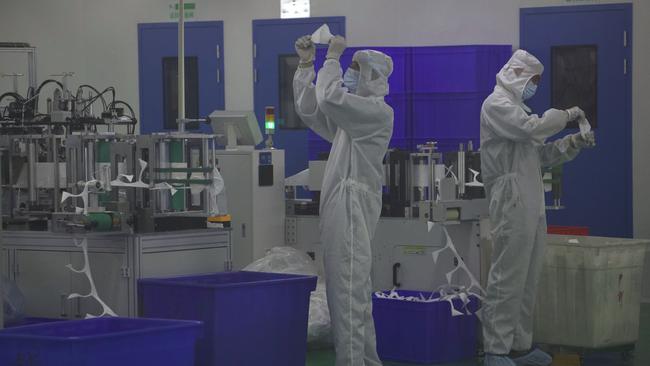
x=494, y=360
x=536, y=357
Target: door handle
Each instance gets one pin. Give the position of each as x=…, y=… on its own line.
x=64, y=312
x=78, y=315
x=243, y=230
x=396, y=268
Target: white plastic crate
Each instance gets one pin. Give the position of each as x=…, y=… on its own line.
x=589, y=293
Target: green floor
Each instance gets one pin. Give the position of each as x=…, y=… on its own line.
x=641, y=353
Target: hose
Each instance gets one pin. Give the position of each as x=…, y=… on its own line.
x=96, y=92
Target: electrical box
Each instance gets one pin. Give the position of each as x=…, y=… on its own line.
x=254, y=181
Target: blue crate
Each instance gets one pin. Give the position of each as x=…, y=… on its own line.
x=457, y=69
x=32, y=321
x=447, y=115
x=101, y=342
x=251, y=318
x=423, y=333
x=401, y=114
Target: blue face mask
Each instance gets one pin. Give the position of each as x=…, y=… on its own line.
x=529, y=90
x=351, y=79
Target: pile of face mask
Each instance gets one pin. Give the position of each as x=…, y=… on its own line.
x=446, y=293
x=394, y=295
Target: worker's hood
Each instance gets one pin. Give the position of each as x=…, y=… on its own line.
x=374, y=69
x=517, y=73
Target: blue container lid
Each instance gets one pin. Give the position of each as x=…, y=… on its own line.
x=96, y=328
x=226, y=280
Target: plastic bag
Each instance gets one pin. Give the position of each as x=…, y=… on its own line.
x=292, y=261
x=13, y=301
x=284, y=260
x=319, y=330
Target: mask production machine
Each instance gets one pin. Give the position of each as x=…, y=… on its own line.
x=425, y=194
x=148, y=205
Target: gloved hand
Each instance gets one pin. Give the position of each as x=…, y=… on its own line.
x=336, y=48
x=306, y=50
x=579, y=141
x=575, y=113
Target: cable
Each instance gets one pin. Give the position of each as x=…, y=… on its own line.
x=124, y=104
x=110, y=88
x=38, y=91
x=19, y=99
x=48, y=81
x=96, y=92
x=133, y=119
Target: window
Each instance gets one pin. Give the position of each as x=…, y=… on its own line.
x=574, y=80
x=170, y=92
x=294, y=9
x=288, y=118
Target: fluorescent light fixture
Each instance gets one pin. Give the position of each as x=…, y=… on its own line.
x=294, y=9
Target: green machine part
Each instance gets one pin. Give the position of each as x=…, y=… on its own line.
x=103, y=156
x=176, y=156
x=101, y=221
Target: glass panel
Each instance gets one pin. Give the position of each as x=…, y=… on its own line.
x=574, y=76
x=288, y=118
x=170, y=91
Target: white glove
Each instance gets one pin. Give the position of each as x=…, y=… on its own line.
x=575, y=113
x=305, y=50
x=581, y=141
x=336, y=48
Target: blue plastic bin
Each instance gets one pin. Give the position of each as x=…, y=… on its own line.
x=424, y=333
x=32, y=321
x=101, y=342
x=251, y=318
x=457, y=69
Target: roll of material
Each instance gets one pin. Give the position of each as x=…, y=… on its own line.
x=453, y=214
x=101, y=221
x=103, y=167
x=420, y=175
x=176, y=161
x=440, y=171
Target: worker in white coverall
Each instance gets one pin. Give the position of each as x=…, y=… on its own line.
x=355, y=119
x=513, y=153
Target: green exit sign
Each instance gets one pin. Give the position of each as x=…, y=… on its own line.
x=190, y=9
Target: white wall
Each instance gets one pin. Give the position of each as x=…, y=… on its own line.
x=97, y=39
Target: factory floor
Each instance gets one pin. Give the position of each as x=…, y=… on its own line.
x=641, y=355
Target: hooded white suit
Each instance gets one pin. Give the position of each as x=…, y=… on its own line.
x=360, y=127
x=513, y=152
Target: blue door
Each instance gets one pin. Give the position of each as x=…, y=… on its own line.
x=588, y=49
x=274, y=54
x=158, y=57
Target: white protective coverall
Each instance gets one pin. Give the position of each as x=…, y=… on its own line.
x=360, y=127
x=513, y=152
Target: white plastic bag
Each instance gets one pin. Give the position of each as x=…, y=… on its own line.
x=292, y=261
x=13, y=301
x=284, y=260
